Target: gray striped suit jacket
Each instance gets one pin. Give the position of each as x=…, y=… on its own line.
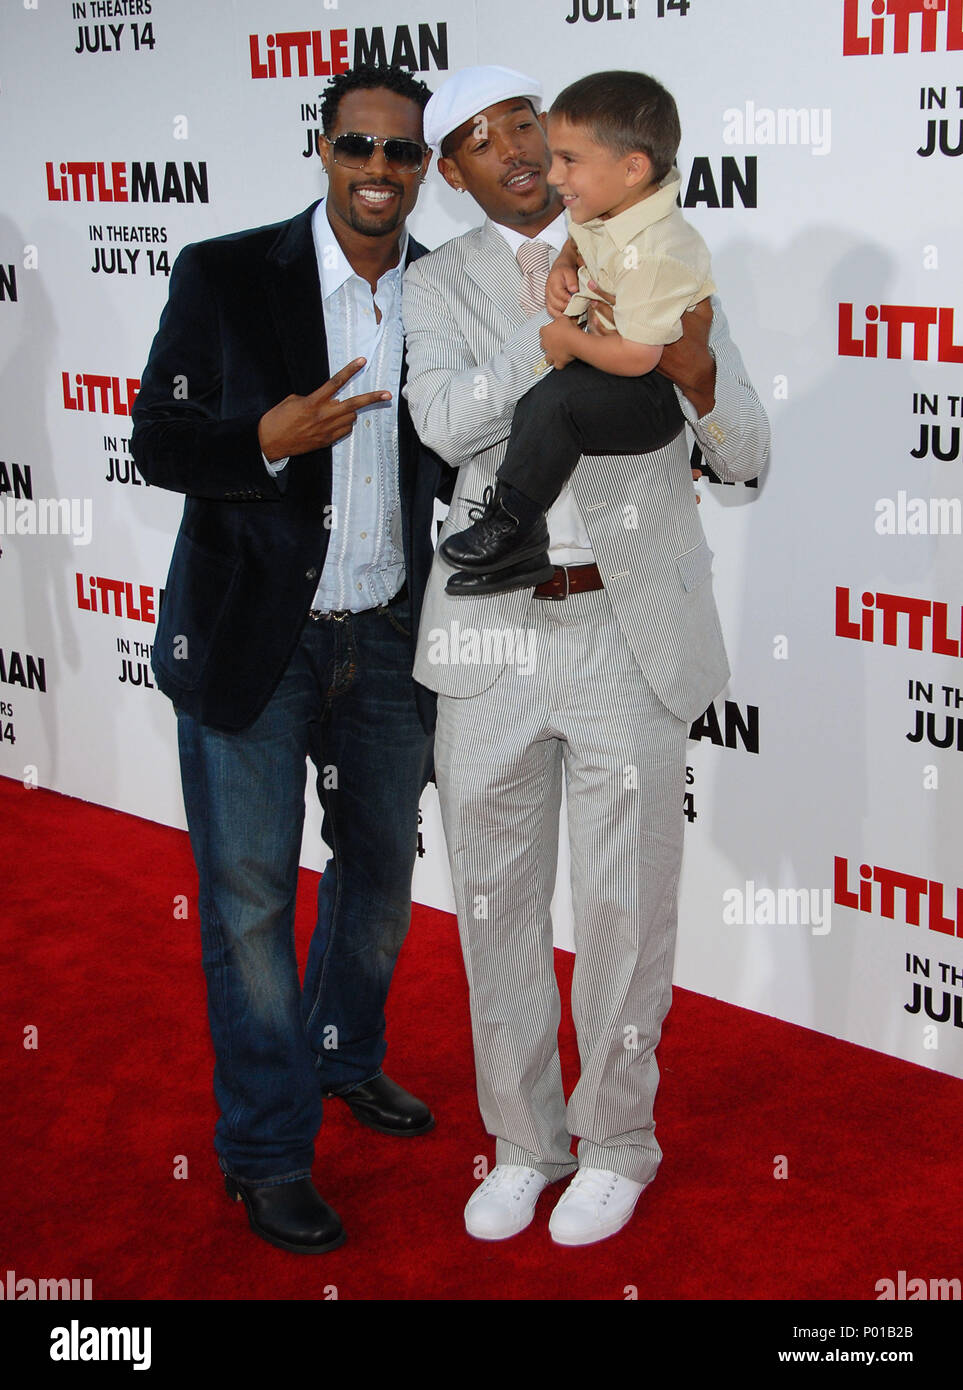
x=471, y=355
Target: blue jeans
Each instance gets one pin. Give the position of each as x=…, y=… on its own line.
x=346, y=701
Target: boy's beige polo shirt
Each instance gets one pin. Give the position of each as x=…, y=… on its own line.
x=655, y=264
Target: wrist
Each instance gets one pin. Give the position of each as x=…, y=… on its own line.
x=267, y=442
x=701, y=393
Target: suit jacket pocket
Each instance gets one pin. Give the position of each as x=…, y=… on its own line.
x=695, y=566
x=196, y=598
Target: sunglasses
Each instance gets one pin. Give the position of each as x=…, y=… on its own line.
x=354, y=151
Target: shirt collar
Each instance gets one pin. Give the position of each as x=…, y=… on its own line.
x=555, y=235
x=627, y=225
x=334, y=268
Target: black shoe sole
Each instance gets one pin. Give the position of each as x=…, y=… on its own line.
x=505, y=585
x=236, y=1194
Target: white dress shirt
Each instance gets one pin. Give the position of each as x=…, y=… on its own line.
x=364, y=563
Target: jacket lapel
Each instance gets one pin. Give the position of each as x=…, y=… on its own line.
x=491, y=266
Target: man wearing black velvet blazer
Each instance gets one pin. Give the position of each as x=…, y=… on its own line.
x=287, y=632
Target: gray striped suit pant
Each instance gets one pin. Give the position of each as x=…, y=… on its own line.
x=584, y=711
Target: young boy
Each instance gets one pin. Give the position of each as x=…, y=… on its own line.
x=614, y=137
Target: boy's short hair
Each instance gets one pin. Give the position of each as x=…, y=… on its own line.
x=625, y=111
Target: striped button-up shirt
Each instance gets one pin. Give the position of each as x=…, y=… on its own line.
x=364, y=565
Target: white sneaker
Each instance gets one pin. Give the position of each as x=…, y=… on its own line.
x=595, y=1204
x=504, y=1204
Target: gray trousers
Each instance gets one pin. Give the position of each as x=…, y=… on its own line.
x=572, y=703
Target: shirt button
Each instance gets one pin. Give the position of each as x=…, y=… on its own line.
x=367, y=480
x=367, y=424
x=364, y=535
x=359, y=586
x=311, y=574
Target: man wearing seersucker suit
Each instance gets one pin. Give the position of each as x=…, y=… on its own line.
x=591, y=679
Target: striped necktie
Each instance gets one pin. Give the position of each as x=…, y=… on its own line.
x=534, y=258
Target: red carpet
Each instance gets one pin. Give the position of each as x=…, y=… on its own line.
x=117, y=1095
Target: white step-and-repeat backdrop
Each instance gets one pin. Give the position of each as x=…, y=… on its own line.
x=820, y=160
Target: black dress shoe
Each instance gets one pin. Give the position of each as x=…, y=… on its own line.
x=290, y=1215
x=498, y=538
x=383, y=1105
x=468, y=583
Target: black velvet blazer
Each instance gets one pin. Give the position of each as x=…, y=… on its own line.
x=243, y=328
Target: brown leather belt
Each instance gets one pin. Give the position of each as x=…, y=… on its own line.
x=570, y=579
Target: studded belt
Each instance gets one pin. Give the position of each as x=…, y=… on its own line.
x=317, y=615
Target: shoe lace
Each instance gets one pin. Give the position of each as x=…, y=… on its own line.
x=507, y=1175
x=476, y=511
x=596, y=1185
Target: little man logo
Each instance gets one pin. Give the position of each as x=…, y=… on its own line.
x=736, y=727
x=702, y=188
x=31, y=672
x=926, y=627
x=912, y=24
x=20, y=482
x=117, y=598
x=100, y=181
x=314, y=53
x=100, y=393
x=877, y=889
x=894, y=318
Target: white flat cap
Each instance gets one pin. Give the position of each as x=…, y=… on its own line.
x=471, y=90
